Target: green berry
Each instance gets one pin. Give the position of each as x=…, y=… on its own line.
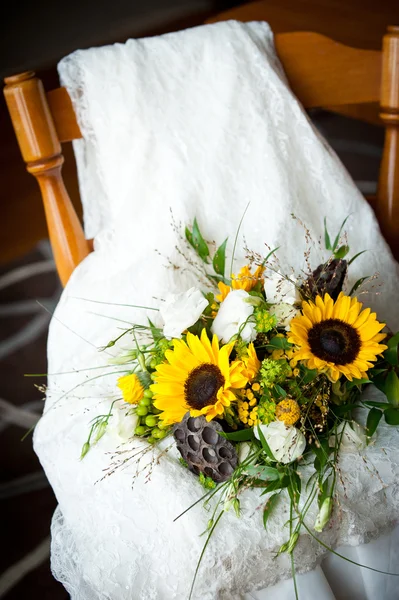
x=153, y=364
x=148, y=393
x=162, y=425
x=141, y=411
x=151, y=421
x=140, y=430
x=158, y=434
x=151, y=440
x=145, y=401
x=155, y=411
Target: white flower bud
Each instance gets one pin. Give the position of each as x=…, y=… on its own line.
x=324, y=515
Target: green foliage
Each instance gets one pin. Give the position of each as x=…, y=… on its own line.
x=358, y=284
x=278, y=343
x=269, y=508
x=219, y=259
x=264, y=321
x=206, y=482
x=273, y=372
x=265, y=445
x=391, y=354
x=373, y=419
x=391, y=388
x=392, y=416
x=263, y=472
x=196, y=240
x=341, y=252
x=244, y=435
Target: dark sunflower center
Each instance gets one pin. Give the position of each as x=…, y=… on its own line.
x=335, y=341
x=202, y=386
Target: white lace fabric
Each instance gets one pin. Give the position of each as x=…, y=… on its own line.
x=201, y=124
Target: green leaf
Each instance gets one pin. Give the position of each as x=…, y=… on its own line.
x=245, y=435
x=373, y=419
x=294, y=489
x=380, y=405
x=358, y=284
x=219, y=260
x=265, y=445
x=263, y=472
x=310, y=375
x=196, y=240
x=276, y=485
x=322, y=454
x=279, y=343
x=379, y=381
x=327, y=240
x=280, y=391
x=343, y=409
x=357, y=383
x=341, y=252
x=392, y=388
x=189, y=237
x=269, y=255
x=391, y=354
x=392, y=416
x=155, y=331
x=356, y=256
x=336, y=241
x=269, y=507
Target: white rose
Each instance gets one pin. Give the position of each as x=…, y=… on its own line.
x=287, y=443
x=279, y=289
x=123, y=424
x=353, y=438
x=284, y=313
x=233, y=312
x=180, y=311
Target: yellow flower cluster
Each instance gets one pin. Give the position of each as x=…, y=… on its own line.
x=247, y=409
x=245, y=280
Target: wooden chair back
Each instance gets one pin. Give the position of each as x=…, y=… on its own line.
x=321, y=73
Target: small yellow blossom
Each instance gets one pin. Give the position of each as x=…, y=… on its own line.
x=224, y=291
x=295, y=372
x=288, y=411
x=256, y=387
x=277, y=354
x=245, y=280
x=131, y=388
x=251, y=362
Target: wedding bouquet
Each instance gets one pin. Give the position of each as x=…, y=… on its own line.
x=256, y=381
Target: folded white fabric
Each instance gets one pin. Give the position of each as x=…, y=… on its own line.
x=196, y=123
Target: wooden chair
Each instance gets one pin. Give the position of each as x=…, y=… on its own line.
x=321, y=72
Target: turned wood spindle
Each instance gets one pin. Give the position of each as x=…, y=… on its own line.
x=387, y=207
x=41, y=150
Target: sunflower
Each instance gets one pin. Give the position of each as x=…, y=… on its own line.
x=197, y=377
x=338, y=338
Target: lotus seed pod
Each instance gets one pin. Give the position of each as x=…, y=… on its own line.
x=203, y=449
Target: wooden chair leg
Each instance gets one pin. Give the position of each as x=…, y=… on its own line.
x=41, y=150
x=387, y=206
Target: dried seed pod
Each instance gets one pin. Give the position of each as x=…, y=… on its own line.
x=203, y=449
x=328, y=278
